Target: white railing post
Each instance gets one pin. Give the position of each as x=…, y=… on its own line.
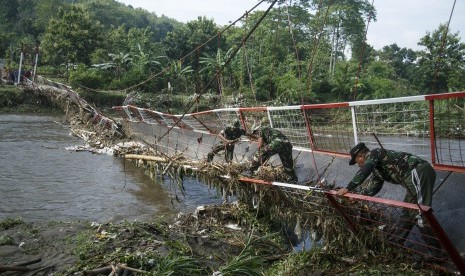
x=36, y=60
x=20, y=65
x=354, y=124
x=269, y=117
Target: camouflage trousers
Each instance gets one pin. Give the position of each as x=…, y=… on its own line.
x=419, y=184
x=420, y=191
x=228, y=152
x=283, y=149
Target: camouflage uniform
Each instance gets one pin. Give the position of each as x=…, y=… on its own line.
x=401, y=168
x=230, y=133
x=274, y=142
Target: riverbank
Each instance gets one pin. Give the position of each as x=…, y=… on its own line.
x=211, y=239
x=218, y=239
x=15, y=100
x=226, y=239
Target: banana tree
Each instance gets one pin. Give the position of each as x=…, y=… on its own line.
x=118, y=64
x=178, y=72
x=212, y=66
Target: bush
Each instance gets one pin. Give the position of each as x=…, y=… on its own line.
x=10, y=96
x=128, y=79
x=104, y=99
x=265, y=88
x=89, y=78
x=48, y=70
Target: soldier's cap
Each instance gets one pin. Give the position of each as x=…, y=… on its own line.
x=360, y=147
x=237, y=124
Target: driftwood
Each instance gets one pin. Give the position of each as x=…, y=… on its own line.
x=98, y=271
x=188, y=164
x=19, y=266
x=146, y=157
x=132, y=269
x=112, y=270
x=4, y=268
x=171, y=162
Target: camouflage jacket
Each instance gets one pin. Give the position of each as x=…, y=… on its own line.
x=385, y=165
x=270, y=135
x=232, y=133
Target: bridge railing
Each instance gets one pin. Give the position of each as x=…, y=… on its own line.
x=431, y=126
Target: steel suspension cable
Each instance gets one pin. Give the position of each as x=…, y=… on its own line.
x=444, y=38
x=246, y=61
x=436, y=65
x=180, y=59
x=362, y=52
x=315, y=47
x=309, y=84
x=296, y=50
x=221, y=68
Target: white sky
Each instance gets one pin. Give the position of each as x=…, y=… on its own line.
x=398, y=21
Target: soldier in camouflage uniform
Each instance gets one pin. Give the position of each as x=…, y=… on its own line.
x=401, y=168
x=229, y=136
x=270, y=142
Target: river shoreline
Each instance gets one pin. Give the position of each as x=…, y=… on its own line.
x=209, y=239
x=214, y=241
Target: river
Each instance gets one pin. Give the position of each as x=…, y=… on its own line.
x=40, y=180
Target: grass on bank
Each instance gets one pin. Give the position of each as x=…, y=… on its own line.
x=160, y=249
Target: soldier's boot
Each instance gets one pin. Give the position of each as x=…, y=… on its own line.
x=254, y=166
x=437, y=254
x=210, y=157
x=401, y=232
x=292, y=176
x=228, y=155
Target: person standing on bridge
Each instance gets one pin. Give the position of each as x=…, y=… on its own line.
x=270, y=142
x=228, y=136
x=401, y=168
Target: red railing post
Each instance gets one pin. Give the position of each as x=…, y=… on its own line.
x=336, y=206
x=444, y=240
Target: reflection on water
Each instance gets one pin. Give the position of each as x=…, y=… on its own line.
x=40, y=181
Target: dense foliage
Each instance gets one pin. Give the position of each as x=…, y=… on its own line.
x=307, y=52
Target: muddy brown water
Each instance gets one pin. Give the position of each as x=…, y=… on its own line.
x=42, y=181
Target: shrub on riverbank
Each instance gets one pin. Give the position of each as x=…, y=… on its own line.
x=14, y=100
x=10, y=96
x=204, y=243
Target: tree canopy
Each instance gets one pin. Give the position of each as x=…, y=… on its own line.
x=307, y=51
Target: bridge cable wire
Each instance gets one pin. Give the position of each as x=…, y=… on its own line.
x=315, y=46
x=294, y=43
x=441, y=50
x=246, y=61
x=436, y=65
x=220, y=69
x=166, y=68
x=362, y=52
x=309, y=84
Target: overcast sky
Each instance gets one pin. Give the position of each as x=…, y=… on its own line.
x=398, y=21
